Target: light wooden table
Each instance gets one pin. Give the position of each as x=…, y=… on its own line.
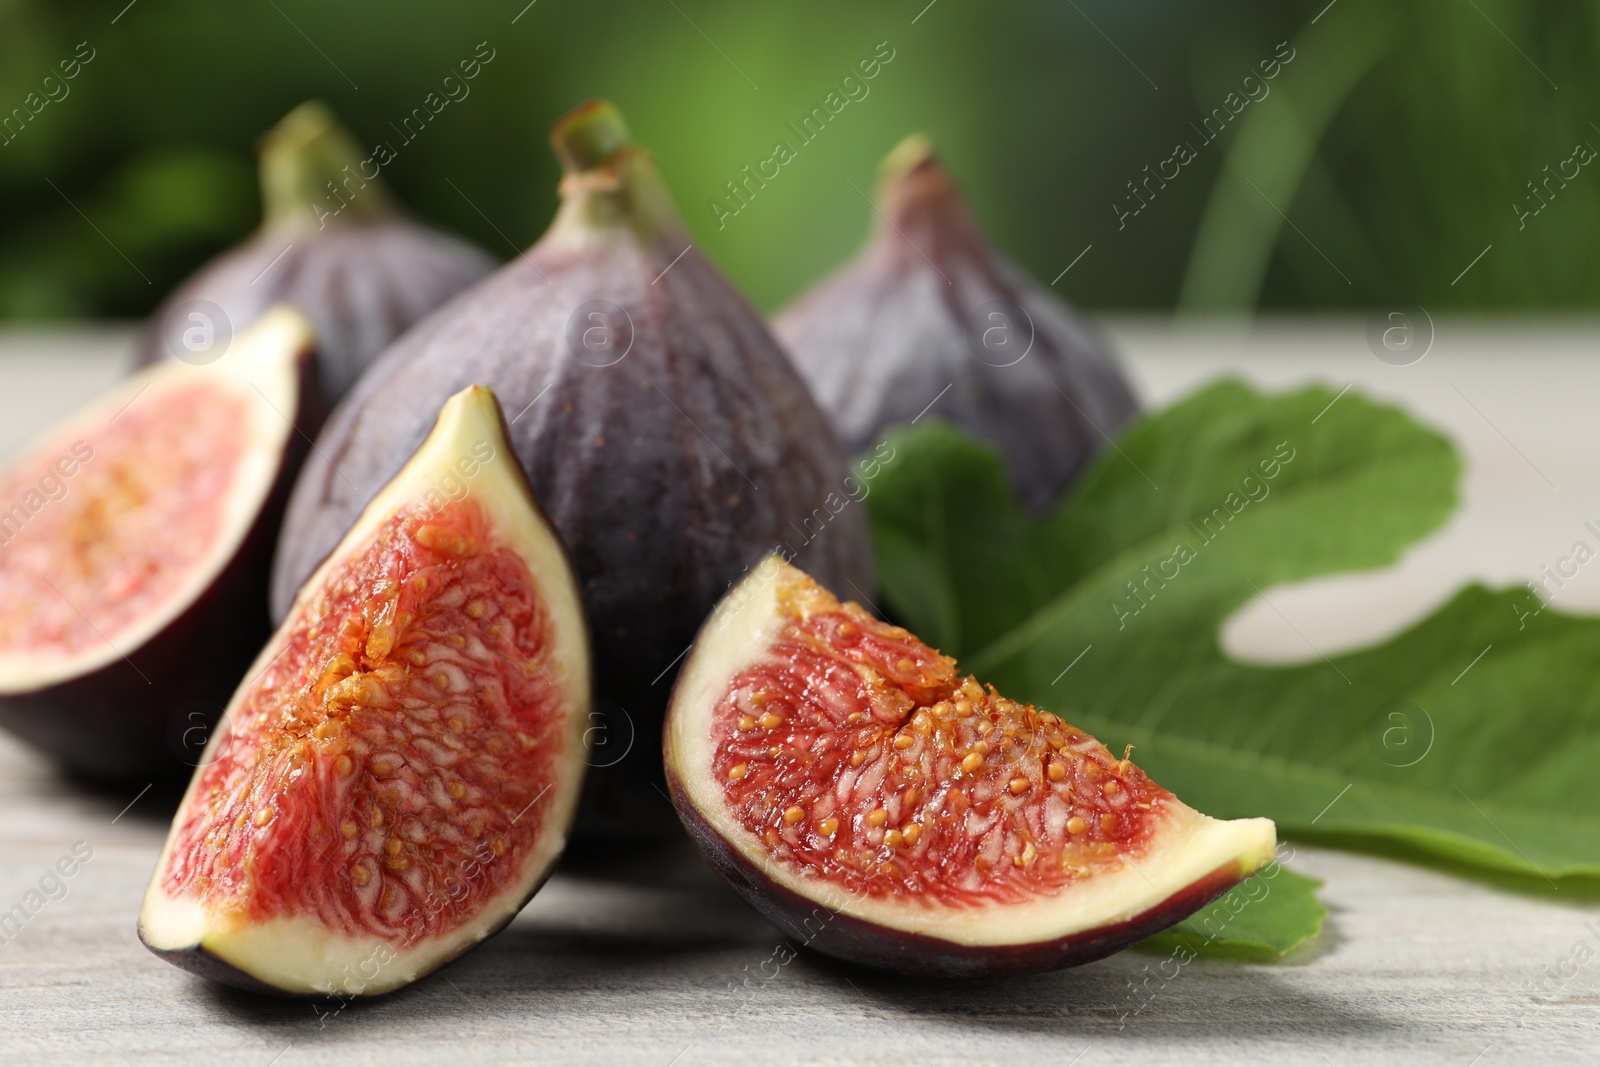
x=641, y=959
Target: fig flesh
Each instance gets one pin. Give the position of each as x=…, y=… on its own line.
x=664, y=431
x=333, y=244
x=398, y=772
x=134, y=551
x=928, y=318
x=879, y=807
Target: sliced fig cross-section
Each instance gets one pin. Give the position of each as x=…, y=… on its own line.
x=135, y=540
x=399, y=771
x=878, y=806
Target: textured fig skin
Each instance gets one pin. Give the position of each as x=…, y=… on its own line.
x=114, y=723
x=814, y=925
x=666, y=474
x=361, y=285
x=884, y=335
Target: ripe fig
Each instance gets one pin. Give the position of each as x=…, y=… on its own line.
x=879, y=807
x=398, y=772
x=667, y=435
x=333, y=244
x=137, y=539
x=928, y=316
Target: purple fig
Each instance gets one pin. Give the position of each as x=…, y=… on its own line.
x=664, y=431
x=929, y=318
x=333, y=244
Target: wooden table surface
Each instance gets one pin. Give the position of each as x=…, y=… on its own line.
x=642, y=957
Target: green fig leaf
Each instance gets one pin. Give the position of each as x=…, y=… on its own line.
x=1260, y=920
x=1468, y=740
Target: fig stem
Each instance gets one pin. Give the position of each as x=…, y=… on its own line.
x=610, y=181
x=589, y=135
x=916, y=193
x=311, y=173
x=905, y=157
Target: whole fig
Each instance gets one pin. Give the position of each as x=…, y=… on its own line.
x=663, y=429
x=333, y=244
x=928, y=318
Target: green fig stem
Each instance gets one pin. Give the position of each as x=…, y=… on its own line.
x=589, y=135
x=311, y=174
x=610, y=182
x=911, y=153
x=916, y=193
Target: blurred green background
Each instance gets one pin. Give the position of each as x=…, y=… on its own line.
x=1386, y=155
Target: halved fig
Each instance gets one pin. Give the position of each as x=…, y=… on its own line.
x=879, y=807
x=135, y=540
x=398, y=773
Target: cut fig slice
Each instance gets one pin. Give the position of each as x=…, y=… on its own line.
x=135, y=540
x=879, y=807
x=399, y=771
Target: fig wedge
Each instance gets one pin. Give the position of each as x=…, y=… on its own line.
x=398, y=773
x=135, y=540
x=879, y=807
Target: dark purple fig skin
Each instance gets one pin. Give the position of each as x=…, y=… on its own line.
x=667, y=473
x=883, y=337
x=117, y=723
x=361, y=285
x=814, y=925
x=361, y=272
